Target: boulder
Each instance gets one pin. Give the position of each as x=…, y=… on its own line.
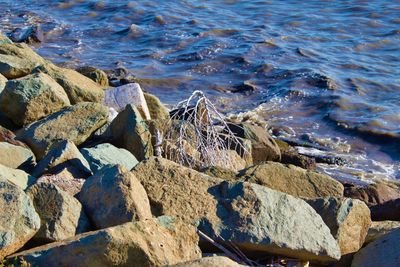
x=129, y=131
x=78, y=87
x=64, y=180
x=114, y=196
x=18, y=218
x=18, y=60
x=384, y=251
x=151, y=242
x=215, y=261
x=75, y=123
x=156, y=109
x=9, y=137
x=32, y=34
x=254, y=218
x=389, y=210
x=294, y=158
x=16, y=157
x=96, y=75
x=348, y=219
x=379, y=229
x=292, y=180
x=4, y=39
x=63, y=155
x=30, y=98
x=3, y=81
x=219, y=172
x=61, y=214
x=131, y=93
x=106, y=154
x=17, y=177
x=235, y=162
x=264, y=147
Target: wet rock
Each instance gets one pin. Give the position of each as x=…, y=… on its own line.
x=18, y=219
x=28, y=99
x=114, y=196
x=121, y=96
x=379, y=229
x=4, y=39
x=61, y=214
x=17, y=177
x=94, y=74
x=264, y=147
x=151, y=242
x=129, y=131
x=254, y=218
x=31, y=35
x=63, y=155
x=9, y=137
x=107, y=154
x=3, y=81
x=390, y=210
x=75, y=123
x=294, y=158
x=384, y=251
x=63, y=180
x=215, y=261
x=156, y=109
x=18, y=60
x=373, y=194
x=247, y=87
x=78, y=87
x=348, y=219
x=16, y=157
x=292, y=180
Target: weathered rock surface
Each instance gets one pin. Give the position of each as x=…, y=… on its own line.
x=373, y=194
x=151, y=242
x=219, y=172
x=75, y=123
x=94, y=74
x=264, y=147
x=61, y=214
x=156, y=109
x=9, y=137
x=389, y=210
x=384, y=251
x=3, y=81
x=129, y=131
x=294, y=158
x=292, y=180
x=130, y=93
x=18, y=218
x=64, y=180
x=30, y=98
x=17, y=177
x=78, y=87
x=16, y=157
x=107, y=154
x=254, y=218
x=348, y=219
x=63, y=155
x=379, y=229
x=17, y=60
x=114, y=196
x=215, y=261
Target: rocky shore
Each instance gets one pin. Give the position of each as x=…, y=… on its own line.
x=86, y=180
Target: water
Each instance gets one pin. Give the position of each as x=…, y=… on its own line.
x=325, y=73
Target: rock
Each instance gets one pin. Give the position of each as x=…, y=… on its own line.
x=94, y=74
x=254, y=218
x=247, y=87
x=31, y=35
x=389, y=210
x=63, y=155
x=215, y=261
x=156, y=109
x=107, y=154
x=151, y=242
x=61, y=214
x=219, y=172
x=28, y=99
x=384, y=251
x=16, y=157
x=264, y=147
x=292, y=180
x=17, y=177
x=235, y=162
x=78, y=87
x=379, y=229
x=64, y=180
x=9, y=137
x=130, y=93
x=18, y=218
x=294, y=158
x=75, y=123
x=3, y=81
x=129, y=131
x=18, y=60
x=114, y=196
x=372, y=194
x=348, y=219
x=4, y=39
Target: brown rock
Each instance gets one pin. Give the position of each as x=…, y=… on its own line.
x=94, y=74
x=215, y=261
x=389, y=210
x=221, y=173
x=16, y=157
x=9, y=137
x=294, y=158
x=372, y=194
x=64, y=180
x=156, y=108
x=379, y=229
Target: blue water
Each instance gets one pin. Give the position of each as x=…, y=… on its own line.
x=325, y=73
